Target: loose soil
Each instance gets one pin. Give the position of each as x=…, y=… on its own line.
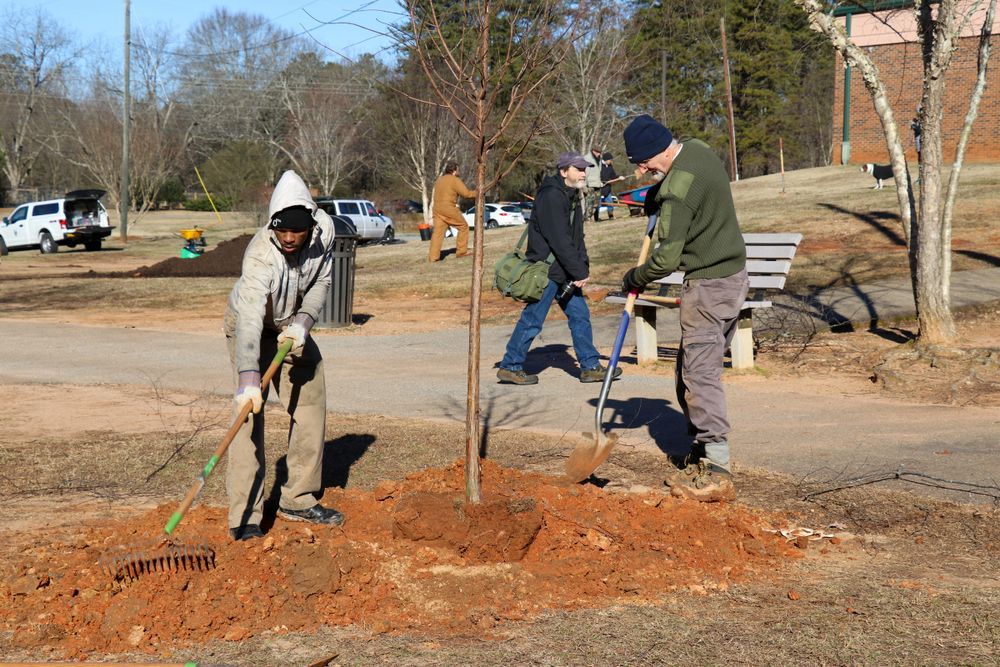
x=617, y=572
x=413, y=557
x=224, y=260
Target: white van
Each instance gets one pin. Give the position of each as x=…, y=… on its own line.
x=372, y=224
x=77, y=218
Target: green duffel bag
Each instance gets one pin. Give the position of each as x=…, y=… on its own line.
x=520, y=278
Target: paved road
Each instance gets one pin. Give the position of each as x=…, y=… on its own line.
x=817, y=431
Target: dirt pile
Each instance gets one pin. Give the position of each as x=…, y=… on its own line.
x=411, y=557
x=224, y=260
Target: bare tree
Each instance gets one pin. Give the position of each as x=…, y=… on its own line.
x=230, y=62
x=928, y=229
x=420, y=138
x=35, y=57
x=590, y=79
x=323, y=113
x=89, y=136
x=484, y=59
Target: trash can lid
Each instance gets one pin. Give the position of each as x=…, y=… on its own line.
x=344, y=228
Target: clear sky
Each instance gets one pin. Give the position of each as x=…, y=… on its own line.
x=104, y=20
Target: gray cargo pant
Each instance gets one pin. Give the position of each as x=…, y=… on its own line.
x=709, y=310
x=301, y=387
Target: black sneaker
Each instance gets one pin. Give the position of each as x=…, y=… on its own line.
x=597, y=374
x=507, y=376
x=315, y=514
x=247, y=532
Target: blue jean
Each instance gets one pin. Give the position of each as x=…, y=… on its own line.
x=533, y=317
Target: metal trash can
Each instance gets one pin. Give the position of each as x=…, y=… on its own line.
x=339, y=306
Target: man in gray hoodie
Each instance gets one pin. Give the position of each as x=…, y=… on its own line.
x=282, y=288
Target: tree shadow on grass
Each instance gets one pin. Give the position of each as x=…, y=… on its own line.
x=875, y=219
x=980, y=256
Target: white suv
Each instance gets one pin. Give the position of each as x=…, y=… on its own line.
x=79, y=217
x=371, y=223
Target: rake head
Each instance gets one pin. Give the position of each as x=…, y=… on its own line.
x=130, y=564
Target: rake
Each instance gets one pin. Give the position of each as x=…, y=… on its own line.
x=167, y=555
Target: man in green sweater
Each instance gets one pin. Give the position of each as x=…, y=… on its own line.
x=698, y=233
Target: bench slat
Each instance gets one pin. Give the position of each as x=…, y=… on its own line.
x=773, y=239
x=767, y=282
x=757, y=281
x=771, y=251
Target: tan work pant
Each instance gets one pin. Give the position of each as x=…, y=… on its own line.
x=301, y=387
x=441, y=223
x=710, y=308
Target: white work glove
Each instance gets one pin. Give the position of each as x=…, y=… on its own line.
x=248, y=391
x=297, y=332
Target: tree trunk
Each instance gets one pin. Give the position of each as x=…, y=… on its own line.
x=473, y=474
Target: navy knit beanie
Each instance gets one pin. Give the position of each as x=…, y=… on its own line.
x=644, y=138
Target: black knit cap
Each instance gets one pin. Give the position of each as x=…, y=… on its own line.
x=645, y=137
x=295, y=218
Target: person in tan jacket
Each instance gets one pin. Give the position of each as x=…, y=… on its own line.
x=448, y=188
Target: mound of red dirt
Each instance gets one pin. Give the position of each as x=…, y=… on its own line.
x=224, y=260
x=411, y=556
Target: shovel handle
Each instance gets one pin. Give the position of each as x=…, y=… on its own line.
x=241, y=419
x=609, y=377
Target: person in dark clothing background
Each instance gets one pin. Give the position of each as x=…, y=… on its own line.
x=608, y=176
x=556, y=235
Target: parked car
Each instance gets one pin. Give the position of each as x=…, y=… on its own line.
x=77, y=218
x=500, y=215
x=371, y=223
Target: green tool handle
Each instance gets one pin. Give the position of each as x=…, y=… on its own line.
x=199, y=483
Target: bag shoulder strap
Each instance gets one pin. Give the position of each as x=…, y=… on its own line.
x=548, y=260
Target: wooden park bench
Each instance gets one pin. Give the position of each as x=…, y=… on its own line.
x=769, y=259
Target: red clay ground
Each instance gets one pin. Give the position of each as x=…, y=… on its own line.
x=411, y=557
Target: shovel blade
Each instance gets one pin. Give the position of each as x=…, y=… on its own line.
x=588, y=455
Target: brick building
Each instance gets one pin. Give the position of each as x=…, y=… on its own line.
x=891, y=39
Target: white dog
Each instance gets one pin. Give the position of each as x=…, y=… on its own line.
x=880, y=172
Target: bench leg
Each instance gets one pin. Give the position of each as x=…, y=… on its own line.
x=741, y=347
x=645, y=334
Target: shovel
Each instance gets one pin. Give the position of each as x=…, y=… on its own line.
x=596, y=448
x=167, y=555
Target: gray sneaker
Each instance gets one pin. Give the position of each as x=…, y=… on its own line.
x=507, y=376
x=597, y=374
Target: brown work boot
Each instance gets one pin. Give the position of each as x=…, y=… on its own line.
x=704, y=482
x=597, y=374
x=507, y=376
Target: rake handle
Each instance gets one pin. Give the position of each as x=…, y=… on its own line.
x=241, y=419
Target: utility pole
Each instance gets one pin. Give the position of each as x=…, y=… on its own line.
x=733, y=174
x=663, y=86
x=126, y=112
